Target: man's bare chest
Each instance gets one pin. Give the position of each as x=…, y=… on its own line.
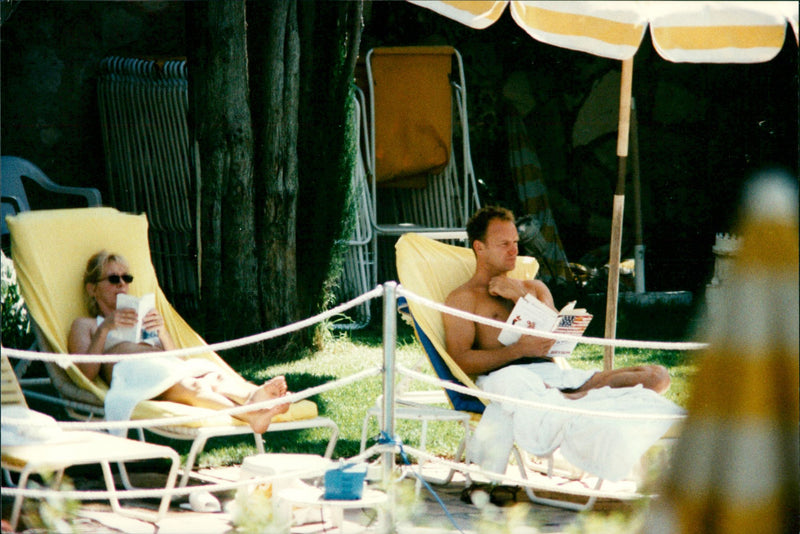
x=492, y=308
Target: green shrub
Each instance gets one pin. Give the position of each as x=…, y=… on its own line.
x=16, y=323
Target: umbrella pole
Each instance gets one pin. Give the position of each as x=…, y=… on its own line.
x=619, y=205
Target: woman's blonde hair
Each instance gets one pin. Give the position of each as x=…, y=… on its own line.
x=94, y=273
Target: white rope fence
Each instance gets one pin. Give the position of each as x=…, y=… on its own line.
x=64, y=359
x=184, y=419
x=626, y=343
x=532, y=404
x=181, y=420
x=96, y=495
x=211, y=487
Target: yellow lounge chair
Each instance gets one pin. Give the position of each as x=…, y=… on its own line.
x=48, y=449
x=432, y=269
x=50, y=249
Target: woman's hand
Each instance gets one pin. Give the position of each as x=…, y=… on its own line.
x=153, y=322
x=121, y=318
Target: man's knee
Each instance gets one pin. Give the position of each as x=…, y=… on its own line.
x=658, y=378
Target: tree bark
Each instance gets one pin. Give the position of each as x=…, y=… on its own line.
x=265, y=257
x=224, y=133
x=274, y=51
x=326, y=149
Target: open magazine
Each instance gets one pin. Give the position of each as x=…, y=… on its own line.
x=530, y=312
x=142, y=305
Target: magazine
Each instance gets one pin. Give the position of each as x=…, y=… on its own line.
x=142, y=305
x=530, y=312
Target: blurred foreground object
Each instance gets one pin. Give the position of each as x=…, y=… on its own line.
x=735, y=467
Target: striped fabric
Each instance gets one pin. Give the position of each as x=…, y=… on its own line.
x=608, y=29
x=735, y=467
x=696, y=32
x=719, y=32
x=476, y=14
x=538, y=233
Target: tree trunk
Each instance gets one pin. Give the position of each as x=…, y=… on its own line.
x=330, y=39
x=274, y=51
x=269, y=223
x=223, y=130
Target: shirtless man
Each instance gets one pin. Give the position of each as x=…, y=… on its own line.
x=491, y=293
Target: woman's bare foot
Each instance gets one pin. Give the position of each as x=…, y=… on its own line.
x=272, y=389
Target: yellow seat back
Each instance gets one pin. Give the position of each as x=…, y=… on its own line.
x=50, y=249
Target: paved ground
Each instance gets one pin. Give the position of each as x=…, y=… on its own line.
x=424, y=515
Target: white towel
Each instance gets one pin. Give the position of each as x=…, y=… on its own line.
x=603, y=446
x=140, y=379
x=28, y=427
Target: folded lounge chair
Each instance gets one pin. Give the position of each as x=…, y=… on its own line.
x=42, y=447
x=50, y=250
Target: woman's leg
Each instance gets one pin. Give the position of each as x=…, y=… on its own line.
x=214, y=392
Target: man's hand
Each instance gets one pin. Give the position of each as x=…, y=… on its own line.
x=508, y=288
x=534, y=346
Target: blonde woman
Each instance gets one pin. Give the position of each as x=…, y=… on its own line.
x=194, y=381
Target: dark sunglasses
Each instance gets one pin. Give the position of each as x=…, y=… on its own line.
x=117, y=278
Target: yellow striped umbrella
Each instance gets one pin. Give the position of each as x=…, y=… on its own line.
x=695, y=32
x=735, y=468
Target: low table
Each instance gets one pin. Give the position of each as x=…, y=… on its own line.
x=283, y=465
x=316, y=497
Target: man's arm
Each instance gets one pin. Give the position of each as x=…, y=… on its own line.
x=513, y=290
x=460, y=338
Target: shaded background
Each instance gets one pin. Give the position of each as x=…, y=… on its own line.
x=703, y=129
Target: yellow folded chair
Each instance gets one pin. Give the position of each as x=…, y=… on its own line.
x=50, y=249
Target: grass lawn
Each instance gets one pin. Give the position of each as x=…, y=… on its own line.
x=345, y=353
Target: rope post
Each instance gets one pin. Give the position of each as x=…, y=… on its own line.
x=389, y=370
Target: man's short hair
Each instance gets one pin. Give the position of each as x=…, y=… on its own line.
x=479, y=222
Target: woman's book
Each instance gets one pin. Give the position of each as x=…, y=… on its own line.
x=142, y=305
x=530, y=312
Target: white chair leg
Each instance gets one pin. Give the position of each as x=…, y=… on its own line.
x=333, y=439
x=17, y=508
x=422, y=444
x=364, y=427
x=552, y=502
x=197, y=446
x=111, y=487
